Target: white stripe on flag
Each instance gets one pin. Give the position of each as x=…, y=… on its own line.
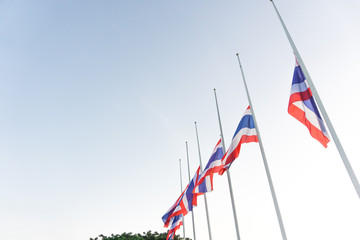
x=299, y=87
x=311, y=117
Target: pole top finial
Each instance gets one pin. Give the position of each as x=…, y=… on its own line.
x=237, y=54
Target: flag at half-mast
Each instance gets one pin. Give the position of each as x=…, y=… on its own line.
x=175, y=224
x=176, y=209
x=245, y=133
x=185, y=202
x=214, y=165
x=302, y=106
x=190, y=198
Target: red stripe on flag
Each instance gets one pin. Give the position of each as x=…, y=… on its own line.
x=300, y=96
x=314, y=131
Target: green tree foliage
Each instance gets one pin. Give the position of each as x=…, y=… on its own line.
x=130, y=236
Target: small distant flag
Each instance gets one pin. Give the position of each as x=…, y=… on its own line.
x=245, y=133
x=175, y=224
x=185, y=202
x=175, y=210
x=302, y=106
x=214, y=165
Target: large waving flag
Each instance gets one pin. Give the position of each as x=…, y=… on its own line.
x=302, y=106
x=214, y=165
x=176, y=222
x=245, y=133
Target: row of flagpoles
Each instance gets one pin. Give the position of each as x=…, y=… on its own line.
x=303, y=103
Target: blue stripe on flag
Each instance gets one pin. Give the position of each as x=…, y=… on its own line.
x=298, y=75
x=310, y=103
x=246, y=122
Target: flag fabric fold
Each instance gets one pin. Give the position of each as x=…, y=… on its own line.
x=214, y=165
x=245, y=133
x=302, y=106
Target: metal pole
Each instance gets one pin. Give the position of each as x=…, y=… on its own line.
x=205, y=199
x=277, y=209
x=181, y=190
x=228, y=172
x=341, y=151
x=192, y=212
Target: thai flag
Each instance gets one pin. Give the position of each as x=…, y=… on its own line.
x=245, y=133
x=175, y=210
x=176, y=222
x=185, y=202
x=302, y=106
x=190, y=198
x=214, y=165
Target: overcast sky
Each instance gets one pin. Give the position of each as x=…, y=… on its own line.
x=97, y=99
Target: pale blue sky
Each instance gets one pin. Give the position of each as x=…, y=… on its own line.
x=97, y=99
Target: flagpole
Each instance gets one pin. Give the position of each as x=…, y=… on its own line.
x=277, y=209
x=181, y=190
x=228, y=173
x=342, y=153
x=192, y=212
x=205, y=199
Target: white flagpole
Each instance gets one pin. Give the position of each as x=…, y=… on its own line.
x=277, y=209
x=346, y=162
x=192, y=212
x=206, y=206
x=228, y=172
x=181, y=190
